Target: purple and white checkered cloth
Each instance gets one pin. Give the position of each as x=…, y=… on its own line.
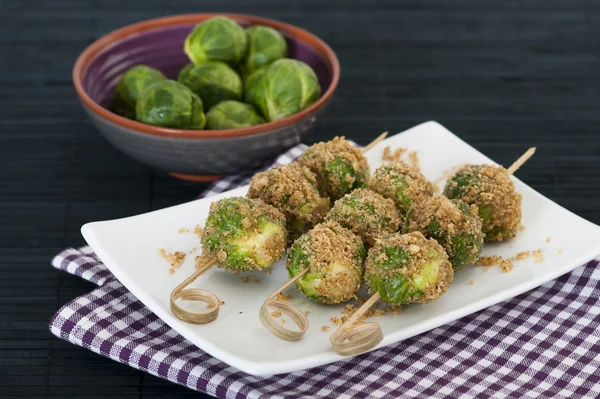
x=542, y=344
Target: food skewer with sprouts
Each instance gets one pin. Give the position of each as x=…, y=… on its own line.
x=456, y=236
x=490, y=188
x=326, y=262
x=241, y=234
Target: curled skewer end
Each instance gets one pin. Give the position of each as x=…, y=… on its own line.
x=273, y=324
x=195, y=294
x=350, y=339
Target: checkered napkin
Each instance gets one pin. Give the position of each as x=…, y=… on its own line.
x=542, y=344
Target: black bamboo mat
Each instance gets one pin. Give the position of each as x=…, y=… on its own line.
x=503, y=75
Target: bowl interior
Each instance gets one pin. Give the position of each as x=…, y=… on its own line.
x=162, y=48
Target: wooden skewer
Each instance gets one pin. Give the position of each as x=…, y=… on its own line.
x=350, y=339
x=448, y=174
x=519, y=162
x=274, y=324
x=195, y=294
x=373, y=143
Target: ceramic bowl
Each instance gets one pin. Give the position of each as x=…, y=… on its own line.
x=200, y=155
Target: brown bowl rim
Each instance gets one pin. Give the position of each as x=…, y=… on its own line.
x=105, y=41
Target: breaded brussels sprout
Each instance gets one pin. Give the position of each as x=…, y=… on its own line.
x=232, y=115
x=491, y=189
x=134, y=81
x=339, y=167
x=216, y=39
x=408, y=268
x=367, y=214
x=292, y=189
x=244, y=234
x=454, y=224
x=265, y=46
x=334, y=256
x=212, y=81
x=170, y=104
x=402, y=183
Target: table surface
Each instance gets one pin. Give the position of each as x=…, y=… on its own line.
x=503, y=75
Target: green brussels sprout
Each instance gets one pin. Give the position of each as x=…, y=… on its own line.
x=244, y=234
x=367, y=214
x=265, y=46
x=212, y=81
x=216, y=39
x=131, y=84
x=339, y=167
x=287, y=87
x=493, y=192
x=402, y=183
x=334, y=256
x=293, y=190
x=408, y=268
x=170, y=104
x=251, y=83
x=232, y=115
x=454, y=224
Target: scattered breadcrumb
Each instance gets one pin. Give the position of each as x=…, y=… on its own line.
x=306, y=313
x=282, y=321
x=255, y=280
x=472, y=282
x=221, y=302
x=241, y=312
x=175, y=259
x=244, y=279
x=559, y=251
x=267, y=271
x=198, y=231
x=282, y=297
x=183, y=230
x=537, y=256
x=414, y=158
x=547, y=239
x=392, y=157
x=521, y=228
x=276, y=313
x=325, y=328
x=338, y=321
x=507, y=264
x=193, y=250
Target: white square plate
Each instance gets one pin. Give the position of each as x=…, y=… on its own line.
x=129, y=248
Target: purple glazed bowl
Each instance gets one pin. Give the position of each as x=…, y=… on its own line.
x=199, y=155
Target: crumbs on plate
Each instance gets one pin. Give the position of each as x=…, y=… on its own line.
x=276, y=313
x=507, y=264
x=175, y=259
x=198, y=231
x=325, y=328
x=472, y=282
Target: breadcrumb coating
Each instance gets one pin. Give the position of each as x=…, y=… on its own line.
x=402, y=183
x=293, y=190
x=244, y=234
x=407, y=268
x=367, y=213
x=454, y=224
x=334, y=256
x=491, y=189
x=338, y=166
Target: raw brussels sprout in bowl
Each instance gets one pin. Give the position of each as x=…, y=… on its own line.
x=212, y=81
x=190, y=149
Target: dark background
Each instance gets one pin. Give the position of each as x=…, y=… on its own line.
x=503, y=75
